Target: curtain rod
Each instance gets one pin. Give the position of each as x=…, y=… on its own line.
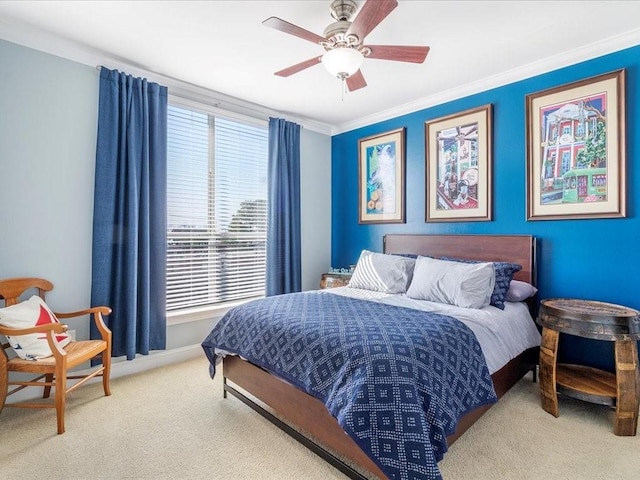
x=179, y=88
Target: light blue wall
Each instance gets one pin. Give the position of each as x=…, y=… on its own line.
x=596, y=259
x=48, y=125
x=315, y=206
x=48, y=118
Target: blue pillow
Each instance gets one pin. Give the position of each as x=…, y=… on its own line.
x=504, y=275
x=406, y=255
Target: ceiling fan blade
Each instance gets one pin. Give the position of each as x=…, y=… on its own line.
x=356, y=81
x=290, y=28
x=370, y=15
x=298, y=67
x=399, y=53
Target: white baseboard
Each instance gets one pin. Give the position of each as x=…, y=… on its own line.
x=156, y=359
x=122, y=367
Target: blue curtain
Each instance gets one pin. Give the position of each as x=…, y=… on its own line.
x=284, y=272
x=130, y=212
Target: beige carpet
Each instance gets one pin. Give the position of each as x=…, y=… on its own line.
x=172, y=423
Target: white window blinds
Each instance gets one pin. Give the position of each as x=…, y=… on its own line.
x=216, y=209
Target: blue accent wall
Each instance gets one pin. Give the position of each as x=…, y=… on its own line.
x=595, y=259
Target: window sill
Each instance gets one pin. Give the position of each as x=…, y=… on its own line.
x=203, y=313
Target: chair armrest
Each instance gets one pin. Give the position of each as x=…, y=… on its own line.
x=55, y=327
x=97, y=313
x=49, y=329
x=94, y=310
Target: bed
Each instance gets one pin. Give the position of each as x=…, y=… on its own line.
x=282, y=400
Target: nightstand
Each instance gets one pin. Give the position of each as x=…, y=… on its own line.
x=332, y=280
x=599, y=321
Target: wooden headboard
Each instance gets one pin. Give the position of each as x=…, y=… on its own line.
x=519, y=249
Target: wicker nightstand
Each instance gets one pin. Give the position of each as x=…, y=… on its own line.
x=332, y=280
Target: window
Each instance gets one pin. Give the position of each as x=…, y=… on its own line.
x=566, y=162
x=216, y=209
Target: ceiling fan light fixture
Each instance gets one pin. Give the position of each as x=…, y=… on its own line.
x=342, y=61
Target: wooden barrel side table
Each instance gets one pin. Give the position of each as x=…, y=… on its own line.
x=599, y=321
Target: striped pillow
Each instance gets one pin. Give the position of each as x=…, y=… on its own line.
x=382, y=273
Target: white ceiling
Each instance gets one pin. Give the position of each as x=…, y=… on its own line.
x=222, y=46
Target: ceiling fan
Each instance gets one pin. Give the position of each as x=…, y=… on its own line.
x=343, y=41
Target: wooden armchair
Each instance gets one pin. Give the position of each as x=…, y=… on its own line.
x=51, y=371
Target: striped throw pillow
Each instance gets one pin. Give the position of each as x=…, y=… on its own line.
x=382, y=272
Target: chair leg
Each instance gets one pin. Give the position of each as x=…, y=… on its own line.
x=61, y=394
x=60, y=405
x=106, y=374
x=47, y=389
x=4, y=382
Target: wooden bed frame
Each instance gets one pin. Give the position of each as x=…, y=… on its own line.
x=308, y=420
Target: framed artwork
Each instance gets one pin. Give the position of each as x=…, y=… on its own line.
x=381, y=178
x=458, y=158
x=576, y=150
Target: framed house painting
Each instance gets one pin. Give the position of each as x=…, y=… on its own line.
x=381, y=178
x=458, y=159
x=576, y=150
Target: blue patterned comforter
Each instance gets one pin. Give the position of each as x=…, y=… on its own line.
x=396, y=379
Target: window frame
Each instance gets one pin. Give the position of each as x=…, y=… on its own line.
x=206, y=312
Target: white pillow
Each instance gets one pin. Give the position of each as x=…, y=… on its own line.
x=467, y=285
x=27, y=314
x=381, y=272
x=520, y=291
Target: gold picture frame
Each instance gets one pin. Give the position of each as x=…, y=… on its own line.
x=576, y=150
x=381, y=173
x=458, y=164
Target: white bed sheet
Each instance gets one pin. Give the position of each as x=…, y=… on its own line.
x=502, y=334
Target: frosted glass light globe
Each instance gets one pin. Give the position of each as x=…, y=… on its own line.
x=342, y=61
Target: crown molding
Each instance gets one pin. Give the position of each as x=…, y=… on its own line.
x=571, y=57
x=29, y=36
